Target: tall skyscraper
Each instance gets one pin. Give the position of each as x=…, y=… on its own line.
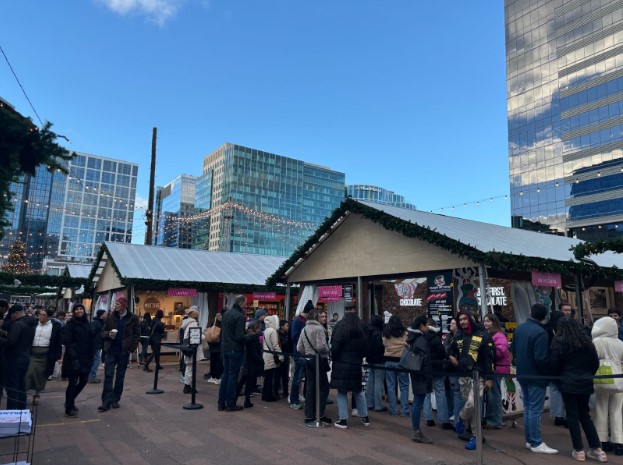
x=564, y=71
x=65, y=218
x=175, y=203
x=377, y=195
x=252, y=201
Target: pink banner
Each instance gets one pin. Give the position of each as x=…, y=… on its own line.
x=618, y=286
x=330, y=293
x=264, y=296
x=181, y=292
x=540, y=278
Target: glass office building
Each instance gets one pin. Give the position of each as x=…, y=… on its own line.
x=175, y=206
x=377, y=195
x=65, y=218
x=258, y=202
x=564, y=67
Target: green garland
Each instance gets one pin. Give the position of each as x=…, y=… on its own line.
x=42, y=280
x=29, y=290
x=498, y=260
x=586, y=249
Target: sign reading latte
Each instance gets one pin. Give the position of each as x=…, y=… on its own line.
x=151, y=304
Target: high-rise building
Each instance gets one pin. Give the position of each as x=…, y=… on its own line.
x=377, y=195
x=65, y=218
x=175, y=204
x=252, y=201
x=564, y=71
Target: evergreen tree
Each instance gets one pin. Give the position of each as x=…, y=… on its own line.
x=17, y=261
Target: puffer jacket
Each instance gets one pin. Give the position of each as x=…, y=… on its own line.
x=605, y=338
x=317, y=337
x=271, y=341
x=347, y=354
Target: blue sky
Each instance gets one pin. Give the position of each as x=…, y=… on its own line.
x=404, y=94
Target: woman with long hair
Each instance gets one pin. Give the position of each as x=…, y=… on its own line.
x=574, y=358
x=502, y=366
x=157, y=334
x=348, y=348
x=79, y=343
x=394, y=340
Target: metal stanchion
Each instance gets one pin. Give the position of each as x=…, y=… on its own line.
x=155, y=389
x=477, y=415
x=193, y=405
x=318, y=422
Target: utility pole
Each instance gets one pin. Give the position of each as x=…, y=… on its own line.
x=149, y=214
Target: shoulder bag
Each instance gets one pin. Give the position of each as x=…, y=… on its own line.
x=411, y=361
x=324, y=361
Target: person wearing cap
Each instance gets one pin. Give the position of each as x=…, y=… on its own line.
x=97, y=325
x=17, y=353
x=79, y=343
x=299, y=364
x=121, y=335
x=46, y=350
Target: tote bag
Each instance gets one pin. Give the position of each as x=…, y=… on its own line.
x=411, y=361
x=608, y=366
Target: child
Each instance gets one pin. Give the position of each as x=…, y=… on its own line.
x=253, y=362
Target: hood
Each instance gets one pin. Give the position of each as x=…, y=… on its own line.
x=187, y=322
x=471, y=327
x=272, y=321
x=605, y=327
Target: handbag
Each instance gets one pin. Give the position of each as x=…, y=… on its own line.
x=213, y=334
x=608, y=367
x=324, y=361
x=411, y=361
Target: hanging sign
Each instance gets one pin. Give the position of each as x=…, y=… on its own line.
x=330, y=293
x=181, y=292
x=264, y=296
x=618, y=286
x=540, y=278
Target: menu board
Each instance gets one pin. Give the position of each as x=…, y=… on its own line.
x=440, y=299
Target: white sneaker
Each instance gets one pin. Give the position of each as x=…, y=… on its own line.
x=451, y=419
x=543, y=449
x=528, y=446
x=301, y=398
x=354, y=413
x=217, y=381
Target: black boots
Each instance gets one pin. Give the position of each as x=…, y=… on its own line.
x=188, y=389
x=148, y=360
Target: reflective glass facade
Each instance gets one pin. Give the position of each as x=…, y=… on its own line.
x=263, y=203
x=67, y=217
x=565, y=115
x=175, y=205
x=377, y=195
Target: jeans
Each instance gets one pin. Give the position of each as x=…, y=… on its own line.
x=97, y=359
x=416, y=410
x=439, y=387
x=374, y=390
x=299, y=367
x=556, y=406
x=342, y=404
x=533, y=400
x=232, y=361
x=578, y=413
x=458, y=401
x=310, y=389
x=119, y=362
x=403, y=384
x=494, y=404
x=144, y=347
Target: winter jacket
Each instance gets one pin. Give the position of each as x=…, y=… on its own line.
x=253, y=361
x=295, y=331
x=574, y=367
x=531, y=353
x=79, y=343
x=157, y=332
x=97, y=325
x=271, y=342
x=502, y=353
x=473, y=349
x=19, y=339
x=186, y=325
x=421, y=383
x=605, y=338
x=317, y=342
x=375, y=353
x=232, y=333
x=347, y=354
x=394, y=347
x=131, y=333
x=437, y=351
x=55, y=351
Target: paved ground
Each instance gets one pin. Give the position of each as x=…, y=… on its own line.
x=155, y=429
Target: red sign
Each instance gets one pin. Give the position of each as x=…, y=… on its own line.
x=540, y=278
x=618, y=286
x=330, y=293
x=181, y=292
x=264, y=296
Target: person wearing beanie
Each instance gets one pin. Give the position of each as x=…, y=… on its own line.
x=97, y=325
x=260, y=315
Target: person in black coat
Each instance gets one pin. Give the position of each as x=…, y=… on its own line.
x=79, y=343
x=421, y=382
x=97, y=326
x=574, y=357
x=283, y=372
x=438, y=362
x=348, y=348
x=253, y=364
x=375, y=357
x=156, y=335
x=46, y=350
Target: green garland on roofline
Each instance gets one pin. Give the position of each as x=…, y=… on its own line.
x=498, y=260
x=586, y=249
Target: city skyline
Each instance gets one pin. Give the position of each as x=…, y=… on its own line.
x=396, y=95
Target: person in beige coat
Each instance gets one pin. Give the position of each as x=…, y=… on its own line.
x=271, y=360
x=395, y=341
x=608, y=402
